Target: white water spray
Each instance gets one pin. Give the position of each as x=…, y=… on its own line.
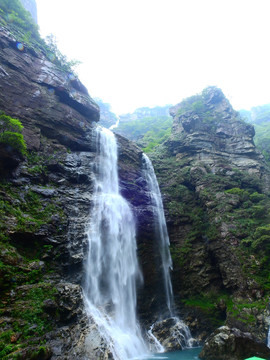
x=112, y=268
x=161, y=233
x=180, y=330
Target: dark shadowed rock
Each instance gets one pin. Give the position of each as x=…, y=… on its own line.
x=232, y=344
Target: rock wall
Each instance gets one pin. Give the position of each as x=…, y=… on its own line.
x=45, y=204
x=214, y=181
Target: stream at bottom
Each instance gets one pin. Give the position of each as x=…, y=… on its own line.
x=190, y=354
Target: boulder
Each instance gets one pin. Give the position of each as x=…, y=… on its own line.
x=232, y=344
x=172, y=333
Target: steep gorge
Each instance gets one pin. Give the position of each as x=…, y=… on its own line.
x=46, y=198
x=214, y=184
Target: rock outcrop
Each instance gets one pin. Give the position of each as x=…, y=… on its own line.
x=54, y=104
x=210, y=132
x=214, y=184
x=232, y=344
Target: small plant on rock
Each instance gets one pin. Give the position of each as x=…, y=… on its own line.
x=11, y=133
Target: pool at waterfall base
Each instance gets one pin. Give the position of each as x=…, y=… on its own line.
x=190, y=354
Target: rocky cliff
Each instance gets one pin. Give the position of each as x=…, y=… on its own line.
x=215, y=184
x=45, y=206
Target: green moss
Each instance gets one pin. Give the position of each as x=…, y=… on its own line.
x=30, y=322
x=10, y=133
x=245, y=311
x=30, y=310
x=30, y=213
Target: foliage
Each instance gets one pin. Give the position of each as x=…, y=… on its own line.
x=30, y=214
x=262, y=138
x=153, y=138
x=10, y=133
x=56, y=56
x=14, y=13
x=26, y=32
x=259, y=116
x=148, y=132
x=30, y=321
x=136, y=129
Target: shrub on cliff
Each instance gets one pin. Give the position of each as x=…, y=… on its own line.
x=13, y=12
x=10, y=133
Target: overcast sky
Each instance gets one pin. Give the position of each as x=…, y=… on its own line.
x=154, y=52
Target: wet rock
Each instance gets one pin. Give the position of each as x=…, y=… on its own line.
x=232, y=344
x=172, y=334
x=46, y=192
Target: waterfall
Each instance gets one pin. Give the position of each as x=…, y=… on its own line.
x=161, y=230
x=112, y=268
x=180, y=330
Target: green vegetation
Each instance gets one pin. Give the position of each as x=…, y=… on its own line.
x=259, y=117
x=14, y=14
x=219, y=308
x=55, y=55
x=262, y=138
x=23, y=216
x=29, y=214
x=148, y=132
x=30, y=322
x=136, y=129
x=26, y=32
x=10, y=133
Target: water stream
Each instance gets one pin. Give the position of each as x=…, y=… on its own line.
x=180, y=330
x=112, y=267
x=161, y=230
x=112, y=270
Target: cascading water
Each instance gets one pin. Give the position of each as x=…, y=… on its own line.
x=180, y=330
x=161, y=230
x=112, y=268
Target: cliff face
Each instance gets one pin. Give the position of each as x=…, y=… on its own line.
x=45, y=207
x=210, y=131
x=214, y=183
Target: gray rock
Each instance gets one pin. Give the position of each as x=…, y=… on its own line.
x=232, y=344
x=173, y=334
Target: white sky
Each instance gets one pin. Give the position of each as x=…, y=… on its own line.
x=154, y=52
